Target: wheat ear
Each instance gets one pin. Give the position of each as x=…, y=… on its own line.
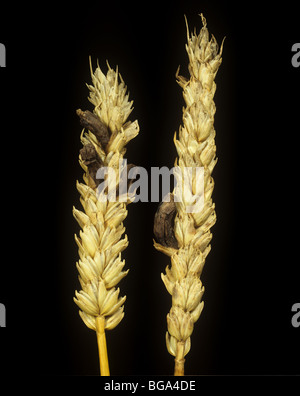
x=100, y=241
x=184, y=236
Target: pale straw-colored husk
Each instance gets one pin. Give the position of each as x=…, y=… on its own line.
x=101, y=238
x=196, y=148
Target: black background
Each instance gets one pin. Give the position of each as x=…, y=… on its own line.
x=251, y=276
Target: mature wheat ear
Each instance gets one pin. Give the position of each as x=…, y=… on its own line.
x=181, y=234
x=100, y=241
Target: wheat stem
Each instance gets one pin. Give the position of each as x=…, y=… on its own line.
x=102, y=348
x=179, y=359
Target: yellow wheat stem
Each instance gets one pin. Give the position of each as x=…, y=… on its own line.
x=196, y=149
x=102, y=348
x=100, y=240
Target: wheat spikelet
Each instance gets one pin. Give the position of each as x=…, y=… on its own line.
x=100, y=240
x=184, y=236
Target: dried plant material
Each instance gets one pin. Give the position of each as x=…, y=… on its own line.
x=101, y=240
x=164, y=223
x=196, y=148
x=91, y=122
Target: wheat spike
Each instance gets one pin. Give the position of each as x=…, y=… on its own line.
x=100, y=240
x=184, y=236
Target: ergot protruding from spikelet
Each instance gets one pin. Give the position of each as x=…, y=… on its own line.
x=196, y=148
